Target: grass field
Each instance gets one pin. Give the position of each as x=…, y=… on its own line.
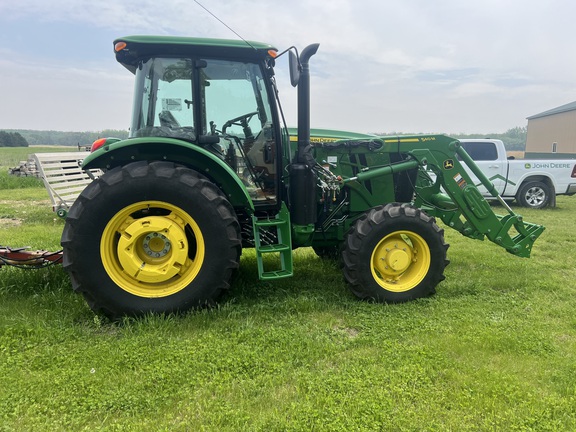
x=493, y=350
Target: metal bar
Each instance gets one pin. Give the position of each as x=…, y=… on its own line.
x=19, y=257
x=378, y=172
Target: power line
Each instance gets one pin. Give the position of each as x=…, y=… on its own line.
x=223, y=23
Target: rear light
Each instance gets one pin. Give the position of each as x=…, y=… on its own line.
x=97, y=144
x=573, y=175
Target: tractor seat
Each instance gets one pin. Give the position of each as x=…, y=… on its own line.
x=167, y=119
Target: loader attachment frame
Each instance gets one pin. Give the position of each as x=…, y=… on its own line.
x=445, y=190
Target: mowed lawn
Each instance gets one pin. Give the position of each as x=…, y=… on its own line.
x=493, y=350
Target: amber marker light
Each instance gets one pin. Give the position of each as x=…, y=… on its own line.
x=273, y=53
x=97, y=144
x=119, y=46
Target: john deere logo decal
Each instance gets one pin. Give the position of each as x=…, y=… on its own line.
x=448, y=164
x=527, y=166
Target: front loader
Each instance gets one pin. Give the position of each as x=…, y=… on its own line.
x=211, y=168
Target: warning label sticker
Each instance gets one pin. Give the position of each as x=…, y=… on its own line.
x=172, y=104
x=460, y=180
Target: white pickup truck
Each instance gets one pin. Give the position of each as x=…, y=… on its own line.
x=532, y=183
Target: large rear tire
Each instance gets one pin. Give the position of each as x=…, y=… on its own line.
x=394, y=253
x=150, y=238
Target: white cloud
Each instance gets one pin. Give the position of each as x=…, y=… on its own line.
x=414, y=65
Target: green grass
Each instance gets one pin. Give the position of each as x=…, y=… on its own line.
x=495, y=349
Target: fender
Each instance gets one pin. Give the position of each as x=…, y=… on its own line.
x=117, y=153
x=541, y=176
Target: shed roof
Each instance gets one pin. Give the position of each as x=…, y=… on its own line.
x=563, y=108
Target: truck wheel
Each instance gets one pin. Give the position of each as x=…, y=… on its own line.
x=150, y=238
x=394, y=254
x=534, y=195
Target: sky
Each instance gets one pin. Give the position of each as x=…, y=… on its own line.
x=410, y=66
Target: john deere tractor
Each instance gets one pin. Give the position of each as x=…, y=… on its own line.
x=211, y=168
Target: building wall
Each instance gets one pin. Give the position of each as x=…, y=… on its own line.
x=543, y=132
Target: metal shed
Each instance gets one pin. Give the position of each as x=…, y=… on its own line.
x=552, y=134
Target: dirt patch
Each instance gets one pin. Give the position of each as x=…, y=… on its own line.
x=10, y=222
x=20, y=203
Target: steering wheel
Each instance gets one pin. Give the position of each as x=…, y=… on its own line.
x=241, y=121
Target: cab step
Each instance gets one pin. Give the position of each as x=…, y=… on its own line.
x=282, y=249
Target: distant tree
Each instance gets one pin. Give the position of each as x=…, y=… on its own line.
x=5, y=139
x=513, y=139
x=12, y=139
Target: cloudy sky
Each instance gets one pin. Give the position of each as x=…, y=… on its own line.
x=450, y=66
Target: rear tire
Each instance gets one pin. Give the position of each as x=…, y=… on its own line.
x=534, y=195
x=150, y=238
x=394, y=253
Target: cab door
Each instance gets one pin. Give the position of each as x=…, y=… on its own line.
x=236, y=106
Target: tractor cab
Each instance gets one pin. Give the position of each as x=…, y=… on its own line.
x=219, y=99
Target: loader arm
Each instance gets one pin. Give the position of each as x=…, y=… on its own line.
x=444, y=189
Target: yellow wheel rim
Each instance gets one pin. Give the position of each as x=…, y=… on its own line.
x=400, y=261
x=152, y=249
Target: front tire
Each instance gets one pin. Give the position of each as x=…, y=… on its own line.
x=150, y=238
x=394, y=253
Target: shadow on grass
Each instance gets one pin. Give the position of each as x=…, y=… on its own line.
x=313, y=278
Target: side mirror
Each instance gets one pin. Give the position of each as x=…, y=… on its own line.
x=294, y=66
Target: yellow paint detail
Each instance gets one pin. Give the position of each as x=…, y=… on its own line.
x=402, y=140
x=152, y=256
x=400, y=261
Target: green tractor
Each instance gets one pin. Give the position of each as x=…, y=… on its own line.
x=211, y=168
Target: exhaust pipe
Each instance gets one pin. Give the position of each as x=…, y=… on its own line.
x=304, y=149
x=302, y=177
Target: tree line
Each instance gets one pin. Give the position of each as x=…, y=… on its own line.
x=12, y=139
x=513, y=139
x=61, y=138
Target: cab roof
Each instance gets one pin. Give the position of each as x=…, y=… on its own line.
x=146, y=46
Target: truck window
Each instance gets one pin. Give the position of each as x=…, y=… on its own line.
x=481, y=151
